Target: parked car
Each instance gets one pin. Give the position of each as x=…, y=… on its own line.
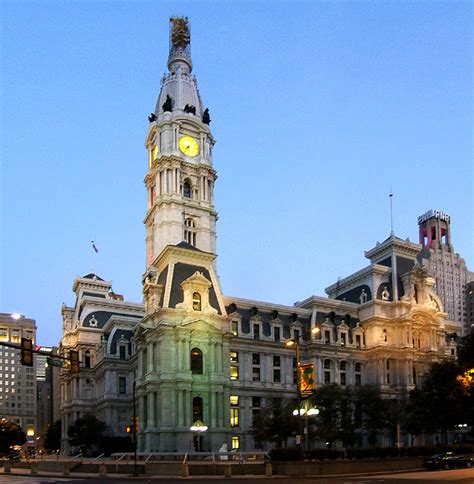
x=448, y=460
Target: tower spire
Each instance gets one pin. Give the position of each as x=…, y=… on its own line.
x=180, y=42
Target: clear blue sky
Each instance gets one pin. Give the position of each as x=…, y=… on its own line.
x=318, y=108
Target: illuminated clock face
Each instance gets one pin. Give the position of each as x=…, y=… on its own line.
x=189, y=146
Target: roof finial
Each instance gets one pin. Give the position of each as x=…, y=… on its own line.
x=180, y=41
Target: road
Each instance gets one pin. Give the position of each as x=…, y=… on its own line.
x=458, y=476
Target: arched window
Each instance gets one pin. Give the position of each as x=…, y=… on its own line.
x=197, y=409
x=190, y=231
x=187, y=193
x=196, y=361
x=196, y=301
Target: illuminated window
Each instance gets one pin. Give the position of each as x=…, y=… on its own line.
x=234, y=356
x=3, y=334
x=235, y=442
x=234, y=417
x=196, y=361
x=234, y=400
x=196, y=301
x=234, y=328
x=234, y=372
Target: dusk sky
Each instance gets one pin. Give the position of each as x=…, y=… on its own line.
x=319, y=109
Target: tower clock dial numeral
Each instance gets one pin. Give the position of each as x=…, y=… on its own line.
x=189, y=146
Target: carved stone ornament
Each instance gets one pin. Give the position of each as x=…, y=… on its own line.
x=180, y=36
x=152, y=296
x=196, y=285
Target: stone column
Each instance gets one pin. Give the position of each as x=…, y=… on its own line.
x=212, y=407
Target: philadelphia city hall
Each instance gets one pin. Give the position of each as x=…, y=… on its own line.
x=194, y=354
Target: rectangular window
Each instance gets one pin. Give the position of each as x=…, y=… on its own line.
x=358, y=341
x=358, y=380
x=255, y=359
x=327, y=337
x=235, y=442
x=276, y=376
x=256, y=331
x=234, y=417
x=276, y=361
x=343, y=339
x=327, y=377
x=276, y=333
x=343, y=378
x=234, y=400
x=256, y=401
x=256, y=374
x=234, y=356
x=234, y=372
x=296, y=334
x=234, y=328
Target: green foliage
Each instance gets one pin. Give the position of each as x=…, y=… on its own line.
x=439, y=404
x=325, y=454
x=109, y=444
x=52, y=440
x=466, y=352
x=10, y=434
x=276, y=423
x=86, y=432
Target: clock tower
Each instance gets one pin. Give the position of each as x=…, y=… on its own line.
x=180, y=178
x=183, y=340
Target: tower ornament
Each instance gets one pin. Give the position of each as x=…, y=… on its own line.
x=180, y=36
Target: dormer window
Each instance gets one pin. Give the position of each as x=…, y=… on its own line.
x=196, y=301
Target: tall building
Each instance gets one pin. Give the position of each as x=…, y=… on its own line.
x=207, y=357
x=17, y=382
x=47, y=390
x=202, y=358
x=448, y=268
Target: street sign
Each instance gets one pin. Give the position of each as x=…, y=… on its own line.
x=54, y=362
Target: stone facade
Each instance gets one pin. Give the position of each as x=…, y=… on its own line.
x=100, y=327
x=203, y=358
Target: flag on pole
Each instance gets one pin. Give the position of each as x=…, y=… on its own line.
x=94, y=247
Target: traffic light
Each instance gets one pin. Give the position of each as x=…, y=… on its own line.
x=74, y=361
x=26, y=352
x=128, y=429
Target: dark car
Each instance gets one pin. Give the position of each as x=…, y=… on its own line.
x=448, y=460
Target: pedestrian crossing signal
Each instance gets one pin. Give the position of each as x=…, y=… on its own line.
x=26, y=352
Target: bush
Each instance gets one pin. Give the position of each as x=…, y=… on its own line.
x=108, y=445
x=325, y=454
x=286, y=454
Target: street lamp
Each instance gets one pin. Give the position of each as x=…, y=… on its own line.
x=198, y=428
x=294, y=342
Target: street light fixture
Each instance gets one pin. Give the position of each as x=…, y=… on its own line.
x=198, y=428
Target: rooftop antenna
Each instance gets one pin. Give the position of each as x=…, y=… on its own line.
x=391, y=211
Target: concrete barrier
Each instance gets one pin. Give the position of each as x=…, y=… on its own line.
x=268, y=470
x=228, y=472
x=102, y=471
x=7, y=467
x=34, y=469
x=185, y=470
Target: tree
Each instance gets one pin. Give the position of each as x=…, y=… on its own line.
x=440, y=403
x=276, y=422
x=86, y=433
x=328, y=399
x=10, y=434
x=466, y=352
x=52, y=439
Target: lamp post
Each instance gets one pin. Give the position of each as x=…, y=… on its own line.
x=198, y=428
x=294, y=342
